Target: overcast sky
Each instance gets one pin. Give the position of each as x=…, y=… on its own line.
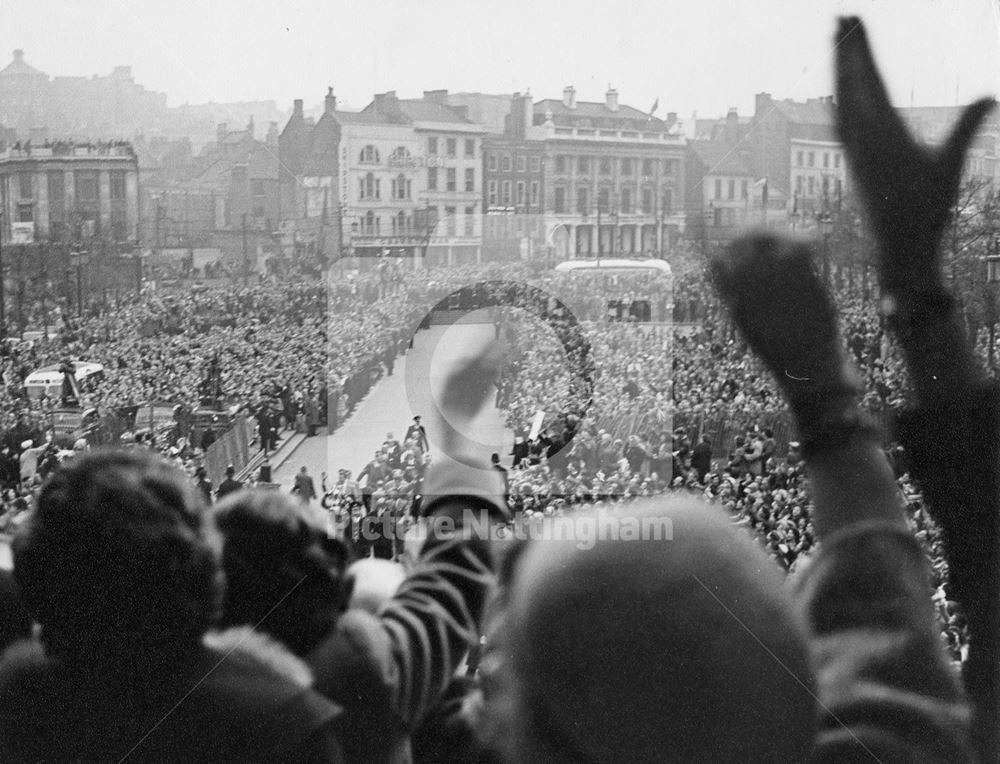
x=704, y=55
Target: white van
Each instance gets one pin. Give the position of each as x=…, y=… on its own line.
x=49, y=379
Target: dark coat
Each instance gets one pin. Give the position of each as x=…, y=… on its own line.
x=232, y=711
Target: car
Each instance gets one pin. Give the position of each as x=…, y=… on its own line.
x=70, y=424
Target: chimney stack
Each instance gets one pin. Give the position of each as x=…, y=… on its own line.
x=611, y=99
x=732, y=125
x=762, y=104
x=18, y=55
x=330, y=104
x=437, y=96
x=298, y=107
x=569, y=97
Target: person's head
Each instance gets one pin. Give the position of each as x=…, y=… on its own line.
x=113, y=563
x=283, y=574
x=230, y=471
x=684, y=648
x=495, y=458
x=303, y=470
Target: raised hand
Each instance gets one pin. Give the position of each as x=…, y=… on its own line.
x=785, y=313
x=909, y=189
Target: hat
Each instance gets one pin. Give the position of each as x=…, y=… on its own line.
x=27, y=444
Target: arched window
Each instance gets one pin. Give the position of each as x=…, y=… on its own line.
x=400, y=187
x=369, y=223
x=369, y=155
x=400, y=155
x=401, y=221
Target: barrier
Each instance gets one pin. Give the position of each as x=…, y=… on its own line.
x=231, y=447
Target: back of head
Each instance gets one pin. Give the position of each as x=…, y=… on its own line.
x=283, y=575
x=667, y=636
x=113, y=564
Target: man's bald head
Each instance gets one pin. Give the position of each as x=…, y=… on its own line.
x=654, y=650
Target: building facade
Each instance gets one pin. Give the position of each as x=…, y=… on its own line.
x=613, y=177
x=71, y=194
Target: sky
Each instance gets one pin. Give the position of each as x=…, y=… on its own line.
x=699, y=55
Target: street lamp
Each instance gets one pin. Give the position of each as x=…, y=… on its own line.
x=826, y=228
x=992, y=278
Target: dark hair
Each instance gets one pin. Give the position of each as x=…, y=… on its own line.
x=113, y=563
x=283, y=574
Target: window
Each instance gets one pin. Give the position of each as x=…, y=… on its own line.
x=117, y=189
x=491, y=161
x=560, y=163
x=369, y=187
x=536, y=164
x=451, y=175
x=470, y=178
x=520, y=199
x=369, y=155
x=25, y=213
x=826, y=159
x=798, y=158
x=86, y=185
x=668, y=167
x=470, y=221
x=505, y=194
x=668, y=200
x=604, y=200
x=836, y=161
x=534, y=193
x=648, y=168
x=432, y=178
x=491, y=193
x=626, y=167
x=449, y=216
x=401, y=187
x=826, y=185
x=57, y=187
x=583, y=165
x=583, y=200
x=731, y=189
x=368, y=223
x=812, y=158
x=470, y=147
x=647, y=201
x=626, y=201
x=522, y=163
x=449, y=146
x=605, y=166
x=718, y=189
x=508, y=164
x=812, y=185
x=256, y=187
x=399, y=156
x=744, y=192
x=798, y=184
x=559, y=202
x=26, y=185
x=432, y=146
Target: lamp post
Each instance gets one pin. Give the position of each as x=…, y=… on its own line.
x=826, y=228
x=992, y=278
x=3, y=287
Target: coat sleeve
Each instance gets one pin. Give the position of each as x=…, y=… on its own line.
x=884, y=687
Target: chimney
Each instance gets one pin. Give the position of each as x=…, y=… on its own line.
x=330, y=104
x=297, y=111
x=272, y=134
x=762, y=104
x=437, y=96
x=386, y=102
x=611, y=99
x=732, y=126
x=529, y=112
x=569, y=97
x=672, y=117
x=221, y=130
x=18, y=56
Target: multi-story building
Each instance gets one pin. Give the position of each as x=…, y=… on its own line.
x=722, y=198
x=309, y=172
x=513, y=186
x=70, y=193
x=410, y=179
x=613, y=177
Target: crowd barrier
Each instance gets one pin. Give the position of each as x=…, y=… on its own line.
x=231, y=447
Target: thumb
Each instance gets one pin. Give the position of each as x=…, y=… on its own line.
x=953, y=153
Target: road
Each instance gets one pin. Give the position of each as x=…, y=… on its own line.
x=413, y=389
